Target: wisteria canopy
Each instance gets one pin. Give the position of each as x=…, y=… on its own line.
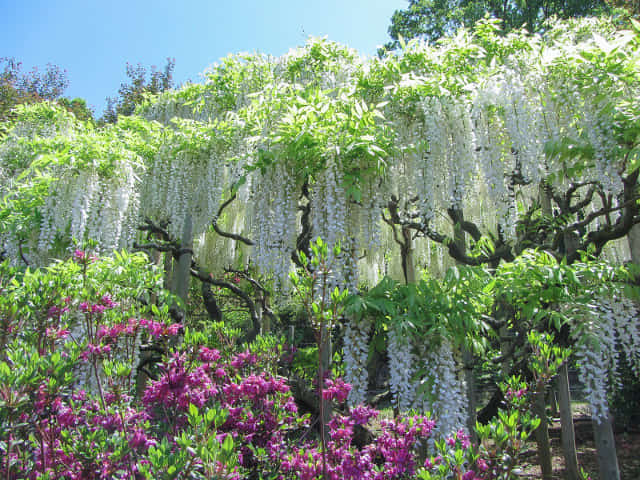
x=477, y=124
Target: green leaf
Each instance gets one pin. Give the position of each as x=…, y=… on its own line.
x=227, y=445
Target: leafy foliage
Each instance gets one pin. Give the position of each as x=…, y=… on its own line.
x=132, y=94
x=434, y=19
x=18, y=88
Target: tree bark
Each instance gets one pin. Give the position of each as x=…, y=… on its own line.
x=210, y=302
x=606, y=449
x=408, y=266
x=168, y=271
x=470, y=379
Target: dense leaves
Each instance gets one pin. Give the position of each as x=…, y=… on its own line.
x=433, y=19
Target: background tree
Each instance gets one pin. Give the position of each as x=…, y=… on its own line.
x=632, y=6
x=17, y=87
x=77, y=106
x=433, y=19
x=133, y=92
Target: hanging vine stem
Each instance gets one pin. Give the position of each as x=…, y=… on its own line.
x=173, y=247
x=266, y=294
x=233, y=236
x=406, y=244
x=304, y=237
x=24, y=259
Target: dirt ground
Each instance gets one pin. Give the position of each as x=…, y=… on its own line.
x=627, y=445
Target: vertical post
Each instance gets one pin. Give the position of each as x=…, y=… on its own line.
x=568, y=436
x=459, y=237
x=182, y=269
x=606, y=449
x=542, y=433
x=566, y=421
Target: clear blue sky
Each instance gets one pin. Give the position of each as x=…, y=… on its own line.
x=93, y=40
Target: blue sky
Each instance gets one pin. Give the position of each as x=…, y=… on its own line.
x=93, y=40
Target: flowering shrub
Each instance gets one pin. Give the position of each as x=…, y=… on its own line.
x=72, y=405
x=69, y=405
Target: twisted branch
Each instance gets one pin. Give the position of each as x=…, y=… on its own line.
x=233, y=236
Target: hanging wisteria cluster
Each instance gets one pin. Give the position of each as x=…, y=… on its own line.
x=105, y=210
x=609, y=323
x=442, y=390
x=402, y=364
x=355, y=356
x=176, y=184
x=274, y=225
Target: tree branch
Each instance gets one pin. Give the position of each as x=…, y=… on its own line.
x=175, y=249
x=304, y=238
x=467, y=226
x=24, y=259
x=264, y=300
x=208, y=278
x=233, y=236
x=626, y=220
x=163, y=247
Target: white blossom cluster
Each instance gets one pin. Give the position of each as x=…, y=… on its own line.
x=443, y=173
x=274, y=225
x=510, y=134
x=596, y=355
x=446, y=397
x=594, y=375
x=91, y=207
x=176, y=184
x=609, y=324
x=370, y=225
x=330, y=215
x=355, y=356
x=402, y=363
x=460, y=144
x=625, y=314
x=596, y=127
x=493, y=164
x=350, y=249
x=523, y=121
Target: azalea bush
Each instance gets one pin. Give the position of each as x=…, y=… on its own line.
x=78, y=400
